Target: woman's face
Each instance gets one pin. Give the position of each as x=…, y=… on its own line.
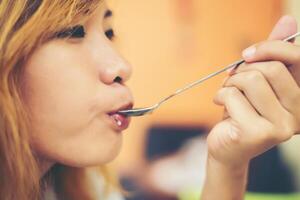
x=73, y=88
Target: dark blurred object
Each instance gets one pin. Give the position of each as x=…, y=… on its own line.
x=161, y=142
x=138, y=193
x=166, y=140
x=269, y=174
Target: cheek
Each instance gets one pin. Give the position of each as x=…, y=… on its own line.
x=67, y=105
x=58, y=89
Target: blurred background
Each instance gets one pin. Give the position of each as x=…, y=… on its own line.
x=173, y=42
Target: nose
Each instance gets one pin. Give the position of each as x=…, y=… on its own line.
x=117, y=70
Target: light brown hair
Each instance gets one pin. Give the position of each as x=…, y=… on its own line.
x=24, y=26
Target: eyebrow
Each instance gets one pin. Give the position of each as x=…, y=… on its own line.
x=108, y=14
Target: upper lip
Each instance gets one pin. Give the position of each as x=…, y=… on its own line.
x=126, y=106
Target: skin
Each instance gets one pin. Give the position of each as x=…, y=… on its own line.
x=69, y=89
x=261, y=99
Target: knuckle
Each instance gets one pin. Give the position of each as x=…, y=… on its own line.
x=267, y=132
x=232, y=92
x=219, y=97
x=253, y=77
x=271, y=136
x=275, y=69
x=287, y=128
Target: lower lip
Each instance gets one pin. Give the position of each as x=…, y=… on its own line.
x=119, y=122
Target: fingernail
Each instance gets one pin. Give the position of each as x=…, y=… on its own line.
x=249, y=53
x=229, y=70
x=232, y=70
x=285, y=18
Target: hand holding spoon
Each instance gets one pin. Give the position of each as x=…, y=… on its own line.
x=148, y=110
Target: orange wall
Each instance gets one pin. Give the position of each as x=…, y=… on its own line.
x=166, y=53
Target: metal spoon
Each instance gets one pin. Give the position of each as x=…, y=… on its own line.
x=148, y=110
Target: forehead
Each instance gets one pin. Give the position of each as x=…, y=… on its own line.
x=100, y=11
x=97, y=16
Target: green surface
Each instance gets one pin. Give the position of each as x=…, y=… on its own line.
x=249, y=196
x=272, y=197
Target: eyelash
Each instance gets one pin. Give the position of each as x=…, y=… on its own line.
x=79, y=32
x=74, y=32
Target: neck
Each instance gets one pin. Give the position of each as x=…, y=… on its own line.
x=44, y=166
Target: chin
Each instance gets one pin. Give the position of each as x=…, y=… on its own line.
x=101, y=158
x=90, y=162
x=105, y=159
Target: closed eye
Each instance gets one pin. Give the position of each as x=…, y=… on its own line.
x=73, y=32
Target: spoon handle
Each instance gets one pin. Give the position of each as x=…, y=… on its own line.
x=235, y=64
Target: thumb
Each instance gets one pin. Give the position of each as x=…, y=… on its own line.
x=286, y=26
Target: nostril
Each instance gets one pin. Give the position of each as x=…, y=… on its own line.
x=118, y=79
